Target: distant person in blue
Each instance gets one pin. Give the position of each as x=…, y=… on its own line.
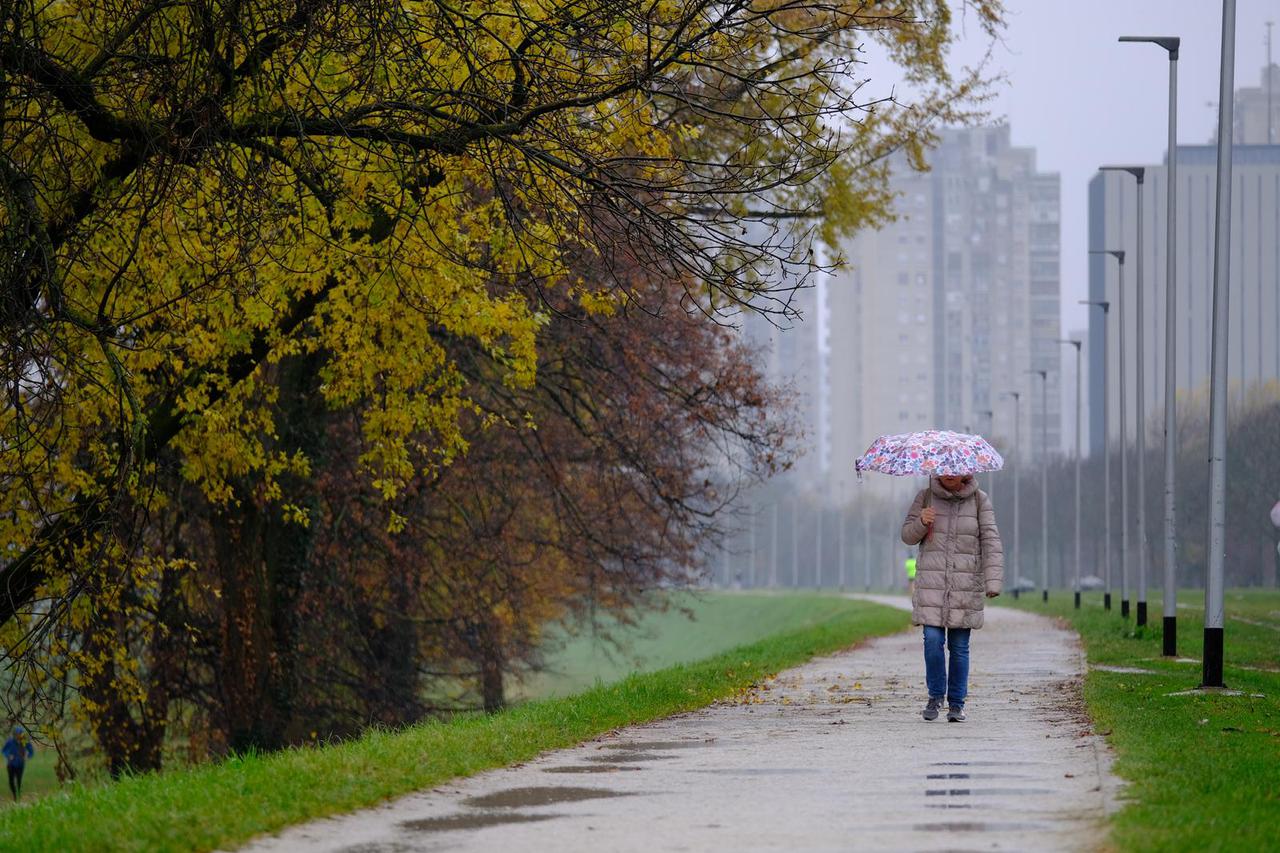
x=17, y=749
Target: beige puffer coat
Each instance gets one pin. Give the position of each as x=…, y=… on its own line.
x=960, y=560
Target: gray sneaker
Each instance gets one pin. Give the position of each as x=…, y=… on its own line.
x=955, y=714
x=930, y=711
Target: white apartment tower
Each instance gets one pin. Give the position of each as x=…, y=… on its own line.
x=937, y=316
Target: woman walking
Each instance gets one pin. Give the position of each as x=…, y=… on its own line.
x=961, y=561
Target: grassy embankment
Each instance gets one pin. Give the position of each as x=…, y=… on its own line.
x=1203, y=769
x=220, y=805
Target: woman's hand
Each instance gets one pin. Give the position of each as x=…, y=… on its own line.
x=928, y=515
x=992, y=594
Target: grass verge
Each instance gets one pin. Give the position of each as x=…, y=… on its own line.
x=694, y=626
x=1203, y=769
x=224, y=804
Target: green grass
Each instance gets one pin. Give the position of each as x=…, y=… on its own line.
x=1203, y=770
x=720, y=621
x=221, y=805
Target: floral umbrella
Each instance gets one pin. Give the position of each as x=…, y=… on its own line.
x=933, y=453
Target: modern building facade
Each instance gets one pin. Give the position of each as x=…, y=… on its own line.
x=937, y=316
x=1254, y=306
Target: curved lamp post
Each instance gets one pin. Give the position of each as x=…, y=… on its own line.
x=1077, y=344
x=1140, y=411
x=1044, y=482
x=1118, y=254
x=1106, y=444
x=1170, y=633
x=1017, y=503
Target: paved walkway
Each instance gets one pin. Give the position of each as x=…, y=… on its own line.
x=832, y=755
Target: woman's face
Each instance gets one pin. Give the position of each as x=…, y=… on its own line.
x=953, y=484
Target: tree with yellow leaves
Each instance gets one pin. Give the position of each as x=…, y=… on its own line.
x=208, y=204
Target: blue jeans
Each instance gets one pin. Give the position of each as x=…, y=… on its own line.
x=955, y=683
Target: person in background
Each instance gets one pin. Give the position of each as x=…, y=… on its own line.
x=17, y=749
x=961, y=563
x=911, y=572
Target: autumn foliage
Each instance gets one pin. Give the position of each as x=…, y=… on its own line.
x=350, y=344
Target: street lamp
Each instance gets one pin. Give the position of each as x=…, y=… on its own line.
x=1170, y=632
x=844, y=518
x=1118, y=254
x=1106, y=443
x=866, y=541
x=1211, y=671
x=1017, y=503
x=1140, y=421
x=1044, y=482
x=773, y=548
x=1077, y=345
x=991, y=479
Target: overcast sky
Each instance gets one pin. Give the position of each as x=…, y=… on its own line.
x=1081, y=99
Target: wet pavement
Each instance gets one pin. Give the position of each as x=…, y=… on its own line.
x=832, y=755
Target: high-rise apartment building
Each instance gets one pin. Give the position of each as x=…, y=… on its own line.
x=940, y=314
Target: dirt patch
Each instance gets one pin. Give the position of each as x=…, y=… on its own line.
x=515, y=798
x=589, y=768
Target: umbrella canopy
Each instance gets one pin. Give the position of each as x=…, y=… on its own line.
x=933, y=453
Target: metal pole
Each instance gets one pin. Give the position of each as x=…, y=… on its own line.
x=1106, y=443
x=751, y=556
x=1170, y=610
x=795, y=543
x=1106, y=447
x=1124, y=463
x=1124, y=455
x=1271, y=139
x=991, y=478
x=866, y=543
x=1044, y=484
x=844, y=519
x=1213, y=616
x=1017, y=502
x=1077, y=345
x=1079, y=426
x=1141, y=423
x=1171, y=45
x=1139, y=414
x=773, y=549
x=817, y=551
